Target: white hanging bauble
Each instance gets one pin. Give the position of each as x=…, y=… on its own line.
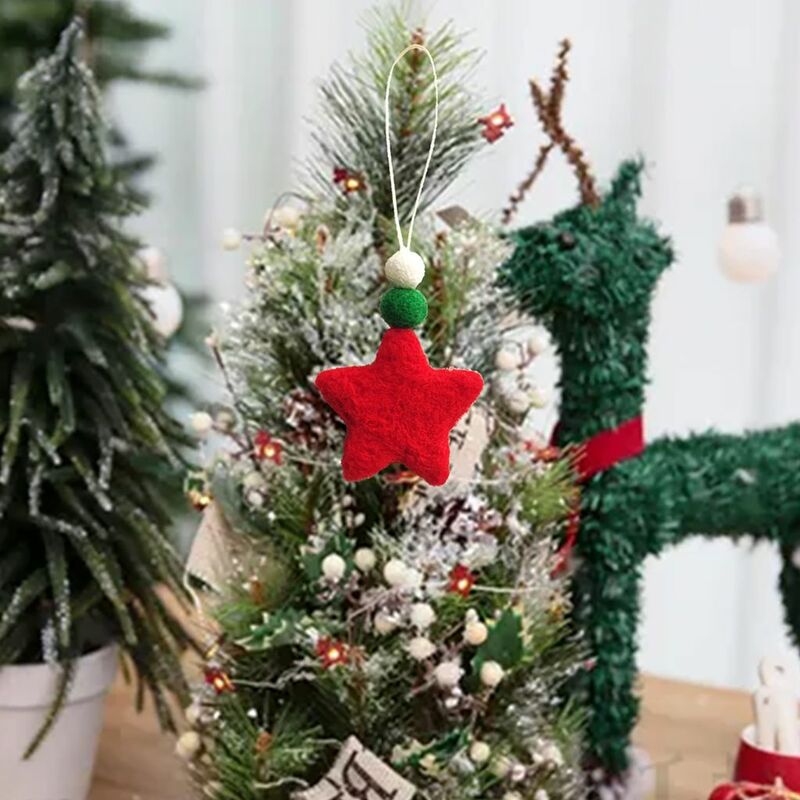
x=748, y=248
x=405, y=269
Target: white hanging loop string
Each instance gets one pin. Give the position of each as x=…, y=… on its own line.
x=399, y=58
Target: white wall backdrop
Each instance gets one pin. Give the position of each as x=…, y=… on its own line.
x=709, y=92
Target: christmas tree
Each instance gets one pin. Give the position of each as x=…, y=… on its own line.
x=82, y=544
x=428, y=626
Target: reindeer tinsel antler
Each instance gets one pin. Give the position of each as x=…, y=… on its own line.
x=548, y=109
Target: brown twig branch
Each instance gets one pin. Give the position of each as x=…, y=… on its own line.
x=548, y=109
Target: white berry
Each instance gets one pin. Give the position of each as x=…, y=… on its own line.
x=518, y=773
x=188, y=745
x=479, y=752
x=448, y=674
x=475, y=633
x=365, y=559
x=552, y=754
x=491, y=674
x=539, y=398
x=395, y=572
x=405, y=269
x=231, y=239
x=286, y=217
x=518, y=402
x=506, y=360
x=536, y=344
x=420, y=648
x=541, y=794
x=201, y=422
x=333, y=567
x=422, y=616
x=501, y=766
x=384, y=623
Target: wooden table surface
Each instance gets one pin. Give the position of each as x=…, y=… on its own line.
x=690, y=733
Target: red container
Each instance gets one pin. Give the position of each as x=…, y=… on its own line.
x=757, y=765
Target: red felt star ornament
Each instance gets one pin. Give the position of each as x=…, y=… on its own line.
x=399, y=409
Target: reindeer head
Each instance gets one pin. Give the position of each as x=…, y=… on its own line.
x=596, y=260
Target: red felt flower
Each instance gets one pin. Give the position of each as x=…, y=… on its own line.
x=399, y=409
x=496, y=123
x=349, y=181
x=220, y=680
x=331, y=652
x=267, y=448
x=461, y=580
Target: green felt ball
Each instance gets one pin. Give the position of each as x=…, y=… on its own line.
x=403, y=308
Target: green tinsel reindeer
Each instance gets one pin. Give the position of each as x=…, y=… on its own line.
x=589, y=275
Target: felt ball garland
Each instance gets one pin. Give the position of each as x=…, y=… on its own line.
x=403, y=308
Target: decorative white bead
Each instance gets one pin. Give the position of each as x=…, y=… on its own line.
x=286, y=217
x=422, y=616
x=201, y=422
x=517, y=402
x=491, y=674
x=188, y=745
x=405, y=269
x=231, y=239
x=420, y=648
x=538, y=397
x=395, y=572
x=537, y=343
x=506, y=360
x=475, y=633
x=448, y=674
x=480, y=752
x=333, y=567
x=365, y=559
x=384, y=623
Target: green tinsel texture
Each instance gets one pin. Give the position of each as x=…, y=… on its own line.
x=589, y=275
x=403, y=308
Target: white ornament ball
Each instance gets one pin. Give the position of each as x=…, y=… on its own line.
x=255, y=498
x=748, y=251
x=448, y=674
x=395, y=572
x=231, y=239
x=167, y=306
x=405, y=269
x=384, y=623
x=422, y=616
x=536, y=345
x=188, y=745
x=333, y=567
x=475, y=633
x=506, y=360
x=538, y=397
x=501, y=766
x=413, y=579
x=480, y=752
x=517, y=402
x=286, y=217
x=518, y=773
x=201, y=422
x=491, y=674
x=365, y=559
x=420, y=648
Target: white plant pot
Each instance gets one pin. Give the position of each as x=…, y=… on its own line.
x=61, y=769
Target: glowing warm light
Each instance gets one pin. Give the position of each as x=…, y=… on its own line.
x=461, y=580
x=496, y=123
x=331, y=653
x=267, y=449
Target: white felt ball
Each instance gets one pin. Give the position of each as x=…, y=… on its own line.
x=448, y=674
x=491, y=674
x=501, y=766
x=749, y=251
x=286, y=217
x=167, y=307
x=475, y=633
x=188, y=745
x=254, y=480
x=517, y=402
x=365, y=559
x=395, y=572
x=201, y=422
x=333, y=567
x=538, y=397
x=536, y=344
x=384, y=623
x=480, y=752
x=541, y=794
x=405, y=269
x=518, y=773
x=420, y=648
x=422, y=615
x=552, y=754
x=231, y=239
x=506, y=360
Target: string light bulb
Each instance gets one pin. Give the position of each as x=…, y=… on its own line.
x=748, y=248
